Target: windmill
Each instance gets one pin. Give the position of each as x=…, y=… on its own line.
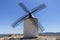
x=31, y=23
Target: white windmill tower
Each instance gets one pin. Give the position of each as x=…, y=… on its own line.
x=30, y=23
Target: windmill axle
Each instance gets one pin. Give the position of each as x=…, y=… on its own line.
x=30, y=15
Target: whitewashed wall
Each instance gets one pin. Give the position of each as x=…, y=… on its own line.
x=30, y=30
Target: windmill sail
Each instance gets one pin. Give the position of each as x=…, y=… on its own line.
x=18, y=21
x=24, y=7
x=41, y=28
x=38, y=8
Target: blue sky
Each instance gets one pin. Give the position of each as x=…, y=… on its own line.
x=10, y=11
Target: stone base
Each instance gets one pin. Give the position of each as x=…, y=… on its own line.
x=28, y=38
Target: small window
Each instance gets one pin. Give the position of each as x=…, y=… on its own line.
x=57, y=39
